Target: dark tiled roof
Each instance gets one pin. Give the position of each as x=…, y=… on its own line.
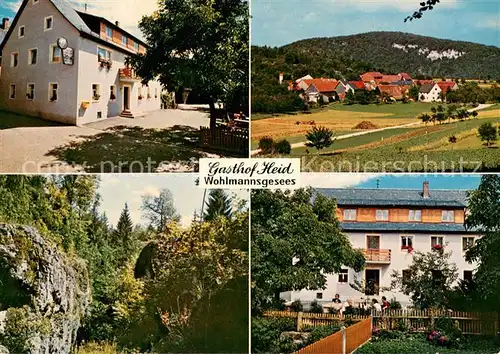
x=396, y=197
x=426, y=88
x=404, y=227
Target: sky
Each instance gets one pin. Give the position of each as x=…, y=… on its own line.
x=127, y=12
x=116, y=190
x=405, y=181
x=279, y=22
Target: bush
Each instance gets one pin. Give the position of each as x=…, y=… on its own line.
x=283, y=147
x=297, y=306
x=320, y=332
x=266, y=332
x=266, y=145
x=488, y=132
x=395, y=304
x=452, y=139
x=316, y=307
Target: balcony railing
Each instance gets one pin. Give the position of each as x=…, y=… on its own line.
x=377, y=256
x=128, y=74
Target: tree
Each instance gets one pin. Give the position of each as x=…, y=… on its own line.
x=414, y=91
x=488, y=132
x=218, y=205
x=430, y=279
x=159, y=210
x=484, y=218
x=425, y=118
x=424, y=6
x=320, y=138
x=296, y=241
x=122, y=235
x=202, y=45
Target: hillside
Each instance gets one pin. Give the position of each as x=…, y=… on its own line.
x=349, y=56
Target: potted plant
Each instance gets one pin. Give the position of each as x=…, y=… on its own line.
x=437, y=247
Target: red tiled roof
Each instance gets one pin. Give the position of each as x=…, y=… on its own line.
x=388, y=79
x=359, y=84
x=393, y=90
x=446, y=85
x=370, y=76
x=323, y=85
x=405, y=76
x=423, y=82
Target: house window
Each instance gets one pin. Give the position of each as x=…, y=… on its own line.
x=99, y=115
x=14, y=60
x=103, y=55
x=136, y=46
x=124, y=39
x=48, y=22
x=156, y=92
x=96, y=92
x=448, y=216
x=350, y=214
x=415, y=215
x=109, y=32
x=139, y=93
x=149, y=92
x=467, y=242
x=382, y=215
x=437, y=240
x=406, y=276
x=30, y=95
x=343, y=276
x=53, y=91
x=21, y=31
x=468, y=275
x=112, y=92
x=12, y=93
x=406, y=242
x=319, y=296
x=33, y=56
x=55, y=54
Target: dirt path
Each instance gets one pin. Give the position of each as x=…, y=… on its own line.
x=347, y=136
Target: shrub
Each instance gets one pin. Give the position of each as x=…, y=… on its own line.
x=316, y=307
x=320, y=137
x=297, y=306
x=266, y=145
x=283, y=147
x=452, y=139
x=266, y=332
x=395, y=304
x=320, y=332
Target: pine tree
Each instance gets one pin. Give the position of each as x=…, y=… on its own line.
x=218, y=204
x=122, y=235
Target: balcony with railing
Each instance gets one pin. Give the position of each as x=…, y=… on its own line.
x=377, y=256
x=128, y=74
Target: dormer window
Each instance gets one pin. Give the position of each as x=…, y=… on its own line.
x=124, y=40
x=136, y=46
x=349, y=214
x=415, y=215
x=109, y=32
x=47, y=23
x=448, y=216
x=21, y=31
x=382, y=215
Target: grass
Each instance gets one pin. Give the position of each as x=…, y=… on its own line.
x=355, y=141
x=9, y=120
x=97, y=348
x=298, y=138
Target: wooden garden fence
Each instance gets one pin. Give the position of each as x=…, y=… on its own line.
x=414, y=320
x=226, y=139
x=345, y=341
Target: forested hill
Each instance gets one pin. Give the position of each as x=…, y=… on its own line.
x=389, y=52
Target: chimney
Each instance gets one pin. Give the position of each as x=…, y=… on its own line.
x=425, y=192
x=281, y=78
x=117, y=24
x=5, y=23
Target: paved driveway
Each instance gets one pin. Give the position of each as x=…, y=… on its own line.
x=25, y=149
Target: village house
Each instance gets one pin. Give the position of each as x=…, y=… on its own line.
x=322, y=89
x=394, y=91
x=447, y=86
x=430, y=93
x=69, y=66
x=379, y=78
x=388, y=226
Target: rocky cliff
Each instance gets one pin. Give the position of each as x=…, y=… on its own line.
x=44, y=293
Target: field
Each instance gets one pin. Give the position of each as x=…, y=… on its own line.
x=341, y=118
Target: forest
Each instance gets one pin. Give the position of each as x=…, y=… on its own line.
x=159, y=287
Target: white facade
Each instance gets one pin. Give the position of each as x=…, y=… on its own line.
x=72, y=85
x=433, y=96
x=400, y=259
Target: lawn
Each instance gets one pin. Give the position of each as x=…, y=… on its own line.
x=10, y=120
x=300, y=138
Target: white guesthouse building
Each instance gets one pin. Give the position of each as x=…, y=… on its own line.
x=387, y=224
x=68, y=66
x=430, y=93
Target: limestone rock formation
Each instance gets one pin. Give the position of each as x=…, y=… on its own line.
x=44, y=293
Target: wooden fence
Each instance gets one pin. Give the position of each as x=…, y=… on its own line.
x=414, y=320
x=234, y=140
x=345, y=341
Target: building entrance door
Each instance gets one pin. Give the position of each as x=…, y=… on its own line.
x=126, y=98
x=372, y=281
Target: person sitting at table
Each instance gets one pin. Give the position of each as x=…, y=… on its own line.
x=336, y=299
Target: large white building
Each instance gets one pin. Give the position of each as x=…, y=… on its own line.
x=389, y=225
x=69, y=66
x=430, y=93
